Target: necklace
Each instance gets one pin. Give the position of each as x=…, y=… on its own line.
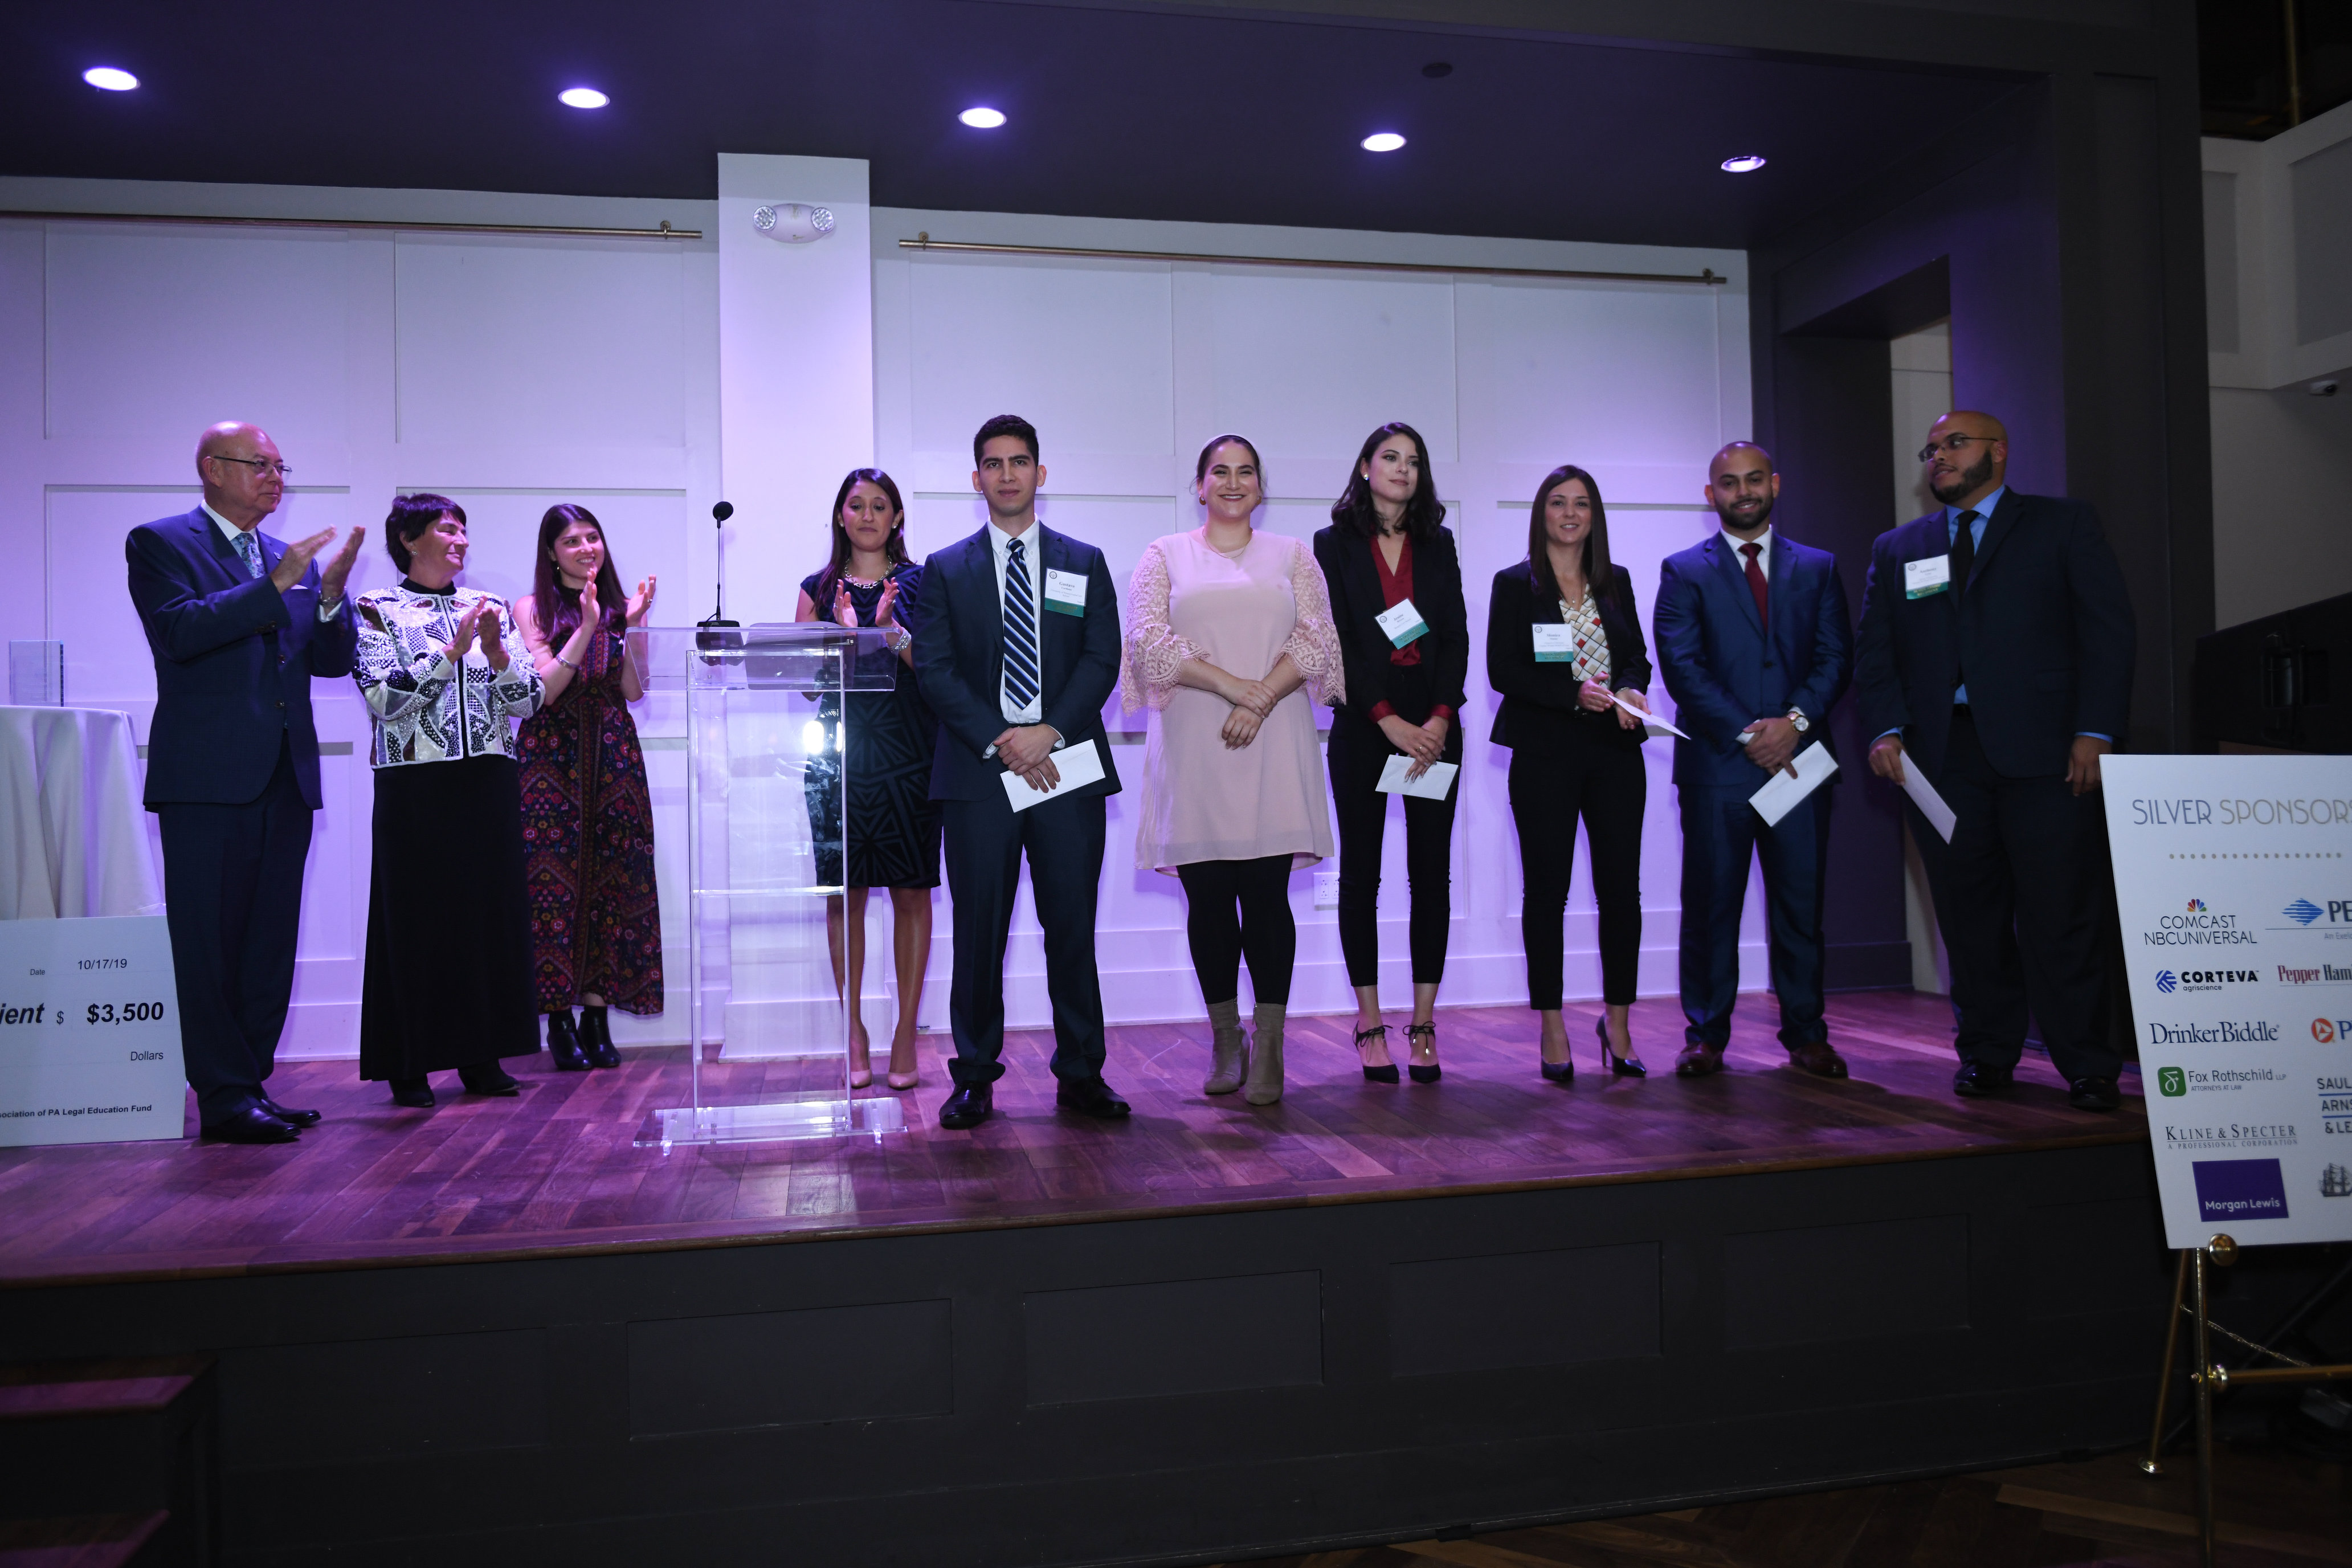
x=1229, y=555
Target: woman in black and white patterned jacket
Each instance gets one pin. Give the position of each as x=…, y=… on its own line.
x=448, y=942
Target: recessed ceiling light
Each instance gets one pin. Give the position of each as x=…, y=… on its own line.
x=1746, y=163
x=1382, y=142
x=980, y=117
x=108, y=77
x=581, y=97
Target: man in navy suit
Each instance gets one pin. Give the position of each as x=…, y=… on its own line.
x=1016, y=649
x=1753, y=640
x=239, y=623
x=1996, y=656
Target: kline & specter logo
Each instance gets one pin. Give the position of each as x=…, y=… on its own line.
x=2168, y=981
x=2240, y=1189
x=2172, y=1082
x=2231, y=1135
x=2327, y=1031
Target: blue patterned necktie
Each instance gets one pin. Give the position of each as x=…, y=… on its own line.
x=247, y=548
x=1020, y=629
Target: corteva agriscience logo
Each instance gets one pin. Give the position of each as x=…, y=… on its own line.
x=2240, y=1189
x=2168, y=981
x=2228, y=1032
x=2198, y=926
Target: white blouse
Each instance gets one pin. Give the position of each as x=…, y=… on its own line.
x=423, y=712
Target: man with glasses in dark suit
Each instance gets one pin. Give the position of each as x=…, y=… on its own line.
x=239, y=623
x=1995, y=656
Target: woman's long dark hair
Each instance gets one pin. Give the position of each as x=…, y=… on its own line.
x=1598, y=576
x=559, y=606
x=892, y=548
x=1352, y=512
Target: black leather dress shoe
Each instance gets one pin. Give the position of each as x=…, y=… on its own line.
x=1817, y=1057
x=288, y=1115
x=2092, y=1094
x=1093, y=1098
x=968, y=1106
x=251, y=1125
x=1975, y=1080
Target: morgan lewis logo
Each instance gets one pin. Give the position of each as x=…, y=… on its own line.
x=2167, y=980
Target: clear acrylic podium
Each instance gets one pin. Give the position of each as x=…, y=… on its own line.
x=766, y=794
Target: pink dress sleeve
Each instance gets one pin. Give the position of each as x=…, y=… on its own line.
x=1153, y=653
x=1314, y=643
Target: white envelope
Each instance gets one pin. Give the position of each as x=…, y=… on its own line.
x=1649, y=722
x=1079, y=765
x=1430, y=785
x=1781, y=792
x=1923, y=796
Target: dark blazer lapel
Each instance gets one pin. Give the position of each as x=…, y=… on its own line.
x=212, y=545
x=1061, y=635
x=1779, y=586
x=980, y=564
x=1998, y=527
x=1734, y=573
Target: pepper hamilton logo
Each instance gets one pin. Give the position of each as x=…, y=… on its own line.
x=2170, y=981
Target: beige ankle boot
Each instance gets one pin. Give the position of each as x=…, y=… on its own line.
x=1265, y=1053
x=1229, y=1058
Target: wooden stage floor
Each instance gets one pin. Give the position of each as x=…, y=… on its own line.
x=555, y=1171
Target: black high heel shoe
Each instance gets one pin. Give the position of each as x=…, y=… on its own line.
x=597, y=1040
x=1619, y=1066
x=1559, y=1072
x=1421, y=1074
x=1383, y=1074
x=564, y=1044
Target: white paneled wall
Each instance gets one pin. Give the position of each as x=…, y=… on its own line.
x=515, y=371
x=1126, y=367
x=508, y=372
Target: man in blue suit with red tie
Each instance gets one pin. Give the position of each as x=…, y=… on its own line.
x=1752, y=637
x=1995, y=656
x=239, y=623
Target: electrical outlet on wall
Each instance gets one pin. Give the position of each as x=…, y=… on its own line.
x=1327, y=890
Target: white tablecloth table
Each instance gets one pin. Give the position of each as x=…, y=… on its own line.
x=73, y=834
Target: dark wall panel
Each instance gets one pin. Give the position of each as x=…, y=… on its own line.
x=1189, y=1336
x=436, y=1394
x=1842, y=1282
x=1523, y=1309
x=781, y=1369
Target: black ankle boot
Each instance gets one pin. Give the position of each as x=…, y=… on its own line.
x=487, y=1077
x=413, y=1092
x=564, y=1044
x=597, y=1040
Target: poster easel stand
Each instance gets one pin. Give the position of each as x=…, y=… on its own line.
x=2191, y=1279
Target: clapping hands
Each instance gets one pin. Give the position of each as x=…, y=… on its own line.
x=481, y=623
x=641, y=600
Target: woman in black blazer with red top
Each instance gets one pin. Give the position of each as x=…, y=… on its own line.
x=1386, y=547
x=1562, y=635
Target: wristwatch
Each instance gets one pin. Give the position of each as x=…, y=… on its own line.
x=1797, y=717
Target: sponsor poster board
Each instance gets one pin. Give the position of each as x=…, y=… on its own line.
x=2233, y=879
x=89, y=1032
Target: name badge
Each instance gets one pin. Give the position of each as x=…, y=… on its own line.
x=1402, y=624
x=1555, y=645
x=1066, y=593
x=1921, y=578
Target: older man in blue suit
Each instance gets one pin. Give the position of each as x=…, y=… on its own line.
x=239, y=623
x=1753, y=639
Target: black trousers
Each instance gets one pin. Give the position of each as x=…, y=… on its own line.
x=232, y=887
x=985, y=841
x=2022, y=862
x=1237, y=907
x=1357, y=752
x=1721, y=834
x=1608, y=787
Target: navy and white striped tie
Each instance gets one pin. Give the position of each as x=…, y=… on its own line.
x=1020, y=629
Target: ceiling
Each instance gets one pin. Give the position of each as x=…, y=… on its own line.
x=1119, y=113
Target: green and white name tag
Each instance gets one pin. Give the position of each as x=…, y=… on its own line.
x=1066, y=593
x=1402, y=624
x=1921, y=578
x=1555, y=645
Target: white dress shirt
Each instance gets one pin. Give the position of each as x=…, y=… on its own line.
x=230, y=531
x=999, y=542
x=1763, y=556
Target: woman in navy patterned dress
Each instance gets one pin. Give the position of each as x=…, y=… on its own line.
x=894, y=825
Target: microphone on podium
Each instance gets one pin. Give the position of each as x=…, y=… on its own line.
x=719, y=516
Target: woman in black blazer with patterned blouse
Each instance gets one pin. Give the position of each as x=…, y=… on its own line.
x=1387, y=547
x=1562, y=634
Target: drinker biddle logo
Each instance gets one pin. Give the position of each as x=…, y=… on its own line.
x=2168, y=981
x=2228, y=1032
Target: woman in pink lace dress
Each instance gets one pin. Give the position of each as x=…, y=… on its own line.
x=1229, y=642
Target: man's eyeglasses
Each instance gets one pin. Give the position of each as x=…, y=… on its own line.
x=1954, y=445
x=267, y=465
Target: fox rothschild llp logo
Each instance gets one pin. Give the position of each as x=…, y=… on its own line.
x=2172, y=1082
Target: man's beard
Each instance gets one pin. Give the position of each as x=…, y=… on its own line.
x=1970, y=480
x=1732, y=519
